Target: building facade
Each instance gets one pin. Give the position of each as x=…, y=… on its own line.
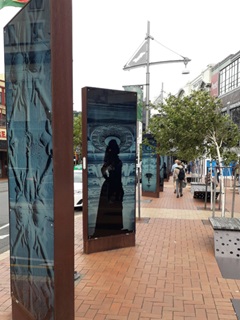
x=225, y=84
x=201, y=82
x=223, y=81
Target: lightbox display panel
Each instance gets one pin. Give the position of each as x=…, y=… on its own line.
x=30, y=166
x=111, y=162
x=150, y=169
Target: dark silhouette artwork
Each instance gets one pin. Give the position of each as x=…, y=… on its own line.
x=111, y=162
x=109, y=216
x=149, y=166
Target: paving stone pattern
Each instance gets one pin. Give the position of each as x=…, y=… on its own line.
x=171, y=273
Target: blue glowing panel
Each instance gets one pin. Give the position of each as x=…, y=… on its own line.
x=30, y=166
x=149, y=165
x=111, y=158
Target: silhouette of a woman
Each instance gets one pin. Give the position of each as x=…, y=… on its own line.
x=109, y=216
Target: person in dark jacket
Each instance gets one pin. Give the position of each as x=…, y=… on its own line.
x=179, y=181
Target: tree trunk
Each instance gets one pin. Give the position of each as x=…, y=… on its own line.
x=221, y=181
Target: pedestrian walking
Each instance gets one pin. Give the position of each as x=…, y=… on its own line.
x=172, y=170
x=179, y=176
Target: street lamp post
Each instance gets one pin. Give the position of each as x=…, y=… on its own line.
x=148, y=37
x=141, y=59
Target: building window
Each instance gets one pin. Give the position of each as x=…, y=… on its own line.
x=235, y=115
x=229, y=77
x=36, y=5
x=238, y=72
x=2, y=116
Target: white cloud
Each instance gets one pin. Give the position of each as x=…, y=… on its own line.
x=107, y=33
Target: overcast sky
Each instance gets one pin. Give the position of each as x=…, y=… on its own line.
x=107, y=33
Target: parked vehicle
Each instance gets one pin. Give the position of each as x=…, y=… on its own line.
x=78, y=167
x=78, y=187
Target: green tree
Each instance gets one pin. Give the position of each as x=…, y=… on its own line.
x=193, y=126
x=77, y=134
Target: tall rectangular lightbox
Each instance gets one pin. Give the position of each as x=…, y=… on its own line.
x=38, y=66
x=150, y=167
x=109, y=168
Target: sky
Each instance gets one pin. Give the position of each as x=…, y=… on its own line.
x=107, y=33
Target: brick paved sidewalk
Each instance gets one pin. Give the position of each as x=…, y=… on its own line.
x=171, y=273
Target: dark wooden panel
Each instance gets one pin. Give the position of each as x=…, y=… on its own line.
x=109, y=243
x=85, y=164
x=151, y=194
x=62, y=104
x=19, y=312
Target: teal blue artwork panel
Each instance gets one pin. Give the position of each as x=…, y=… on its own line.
x=27, y=46
x=149, y=165
x=111, y=161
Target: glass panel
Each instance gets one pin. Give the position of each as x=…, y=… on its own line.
x=227, y=79
x=235, y=115
x=222, y=82
x=28, y=99
x=149, y=166
x=111, y=158
x=238, y=73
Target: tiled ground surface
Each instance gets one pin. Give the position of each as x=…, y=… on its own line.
x=171, y=273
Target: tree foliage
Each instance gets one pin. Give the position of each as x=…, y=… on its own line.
x=77, y=133
x=193, y=126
